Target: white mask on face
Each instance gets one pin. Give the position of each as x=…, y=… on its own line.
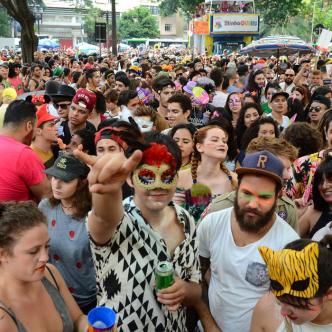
x=144, y=125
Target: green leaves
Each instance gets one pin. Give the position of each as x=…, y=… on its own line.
x=278, y=12
x=5, y=24
x=138, y=22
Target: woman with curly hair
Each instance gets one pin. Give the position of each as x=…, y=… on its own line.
x=232, y=107
x=256, y=84
x=208, y=176
x=319, y=214
x=249, y=113
x=309, y=142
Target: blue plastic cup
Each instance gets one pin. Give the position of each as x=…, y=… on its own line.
x=101, y=319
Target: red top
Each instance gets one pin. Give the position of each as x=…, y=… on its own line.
x=20, y=168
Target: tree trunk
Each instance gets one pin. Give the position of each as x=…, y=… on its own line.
x=20, y=11
x=29, y=41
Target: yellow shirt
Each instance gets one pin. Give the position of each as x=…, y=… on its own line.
x=46, y=157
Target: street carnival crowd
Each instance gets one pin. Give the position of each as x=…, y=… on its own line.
x=220, y=165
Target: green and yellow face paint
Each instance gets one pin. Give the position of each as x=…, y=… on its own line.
x=262, y=197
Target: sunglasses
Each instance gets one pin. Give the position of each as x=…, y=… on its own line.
x=316, y=109
x=289, y=75
x=63, y=106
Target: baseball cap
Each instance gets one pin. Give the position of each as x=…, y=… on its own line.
x=9, y=93
x=85, y=99
x=279, y=93
x=66, y=167
x=43, y=116
x=262, y=163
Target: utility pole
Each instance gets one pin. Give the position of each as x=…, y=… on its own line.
x=107, y=33
x=114, y=41
x=312, y=23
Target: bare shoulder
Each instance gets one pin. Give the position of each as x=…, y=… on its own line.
x=311, y=212
x=54, y=276
x=6, y=322
x=265, y=303
x=266, y=316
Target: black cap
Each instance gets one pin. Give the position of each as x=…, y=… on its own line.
x=65, y=91
x=280, y=93
x=66, y=167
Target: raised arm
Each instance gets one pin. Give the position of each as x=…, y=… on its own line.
x=106, y=177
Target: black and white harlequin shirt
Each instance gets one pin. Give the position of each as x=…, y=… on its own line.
x=125, y=271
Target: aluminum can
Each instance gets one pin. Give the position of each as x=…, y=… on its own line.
x=164, y=275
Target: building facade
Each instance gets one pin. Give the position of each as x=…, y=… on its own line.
x=61, y=20
x=219, y=25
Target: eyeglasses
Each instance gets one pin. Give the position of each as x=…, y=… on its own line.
x=63, y=106
x=316, y=109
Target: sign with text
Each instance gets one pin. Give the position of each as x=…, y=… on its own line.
x=201, y=27
x=324, y=40
x=235, y=23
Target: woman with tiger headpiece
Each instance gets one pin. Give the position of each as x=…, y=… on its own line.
x=301, y=288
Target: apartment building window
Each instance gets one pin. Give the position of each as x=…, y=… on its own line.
x=154, y=10
x=168, y=27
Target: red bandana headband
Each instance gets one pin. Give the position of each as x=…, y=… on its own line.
x=101, y=134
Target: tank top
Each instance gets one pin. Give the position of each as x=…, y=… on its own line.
x=323, y=220
x=58, y=301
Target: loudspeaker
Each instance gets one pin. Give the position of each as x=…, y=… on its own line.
x=100, y=32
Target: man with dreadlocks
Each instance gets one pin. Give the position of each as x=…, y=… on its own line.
x=128, y=240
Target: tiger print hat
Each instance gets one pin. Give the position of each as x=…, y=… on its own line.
x=293, y=272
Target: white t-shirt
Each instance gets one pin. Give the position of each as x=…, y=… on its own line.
x=239, y=276
x=287, y=88
x=285, y=121
x=326, y=230
x=307, y=327
x=219, y=100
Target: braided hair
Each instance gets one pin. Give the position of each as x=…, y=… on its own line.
x=199, y=137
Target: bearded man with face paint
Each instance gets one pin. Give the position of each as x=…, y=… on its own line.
x=234, y=272
x=129, y=239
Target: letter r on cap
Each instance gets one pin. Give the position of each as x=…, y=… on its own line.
x=262, y=161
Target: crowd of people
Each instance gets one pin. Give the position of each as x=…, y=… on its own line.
x=220, y=165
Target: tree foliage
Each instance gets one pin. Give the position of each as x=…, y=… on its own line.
x=138, y=22
x=20, y=10
x=187, y=7
x=278, y=12
x=5, y=23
